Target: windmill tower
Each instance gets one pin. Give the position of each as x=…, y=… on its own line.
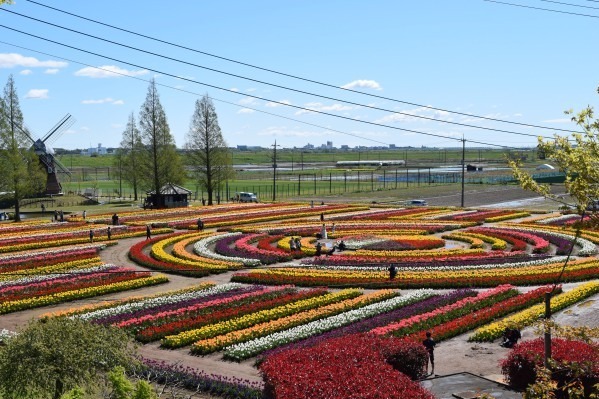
x=51, y=164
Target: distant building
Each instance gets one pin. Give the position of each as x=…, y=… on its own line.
x=344, y=147
x=309, y=146
x=171, y=196
x=392, y=146
x=329, y=144
x=99, y=150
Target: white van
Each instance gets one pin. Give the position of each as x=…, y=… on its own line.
x=247, y=197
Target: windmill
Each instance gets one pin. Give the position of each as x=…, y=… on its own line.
x=47, y=159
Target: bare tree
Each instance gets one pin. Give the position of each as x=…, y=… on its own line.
x=209, y=156
x=160, y=163
x=129, y=155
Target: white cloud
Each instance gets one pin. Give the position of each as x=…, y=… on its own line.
x=248, y=101
x=51, y=71
x=361, y=83
x=290, y=132
x=26, y=72
x=108, y=71
x=323, y=108
x=234, y=89
x=107, y=100
x=11, y=60
x=558, y=120
x=37, y=93
x=84, y=128
x=416, y=114
x=277, y=104
x=245, y=111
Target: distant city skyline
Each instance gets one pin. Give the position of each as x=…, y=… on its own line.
x=418, y=62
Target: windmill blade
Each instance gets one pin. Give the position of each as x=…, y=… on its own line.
x=66, y=122
x=60, y=167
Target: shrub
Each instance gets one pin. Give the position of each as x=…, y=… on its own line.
x=572, y=360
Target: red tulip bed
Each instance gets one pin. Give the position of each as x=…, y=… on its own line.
x=32, y=260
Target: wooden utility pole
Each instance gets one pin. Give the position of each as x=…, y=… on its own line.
x=274, y=172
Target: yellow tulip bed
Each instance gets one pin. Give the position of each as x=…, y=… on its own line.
x=474, y=242
x=428, y=277
x=209, y=345
x=179, y=251
x=57, y=268
x=528, y=316
x=191, y=336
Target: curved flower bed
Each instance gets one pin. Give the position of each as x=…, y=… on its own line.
x=533, y=275
x=420, y=307
x=202, y=248
x=252, y=348
x=529, y=316
x=158, y=252
x=209, y=345
x=188, y=337
x=76, y=293
x=136, y=254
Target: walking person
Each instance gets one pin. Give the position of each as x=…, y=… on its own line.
x=322, y=216
x=292, y=245
x=318, y=249
x=55, y=215
x=333, y=229
x=323, y=232
x=43, y=208
x=429, y=343
x=298, y=243
x=148, y=232
x=61, y=216
x=109, y=233
x=84, y=214
x=200, y=225
x=392, y=272
x=91, y=235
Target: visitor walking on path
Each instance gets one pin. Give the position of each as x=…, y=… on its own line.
x=84, y=214
x=318, y=249
x=322, y=216
x=392, y=271
x=91, y=235
x=109, y=233
x=148, y=232
x=200, y=225
x=429, y=343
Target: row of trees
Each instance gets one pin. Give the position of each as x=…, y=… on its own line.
x=21, y=173
x=148, y=159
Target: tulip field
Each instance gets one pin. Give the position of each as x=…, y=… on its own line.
x=458, y=271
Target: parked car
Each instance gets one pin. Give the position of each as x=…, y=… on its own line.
x=418, y=202
x=247, y=197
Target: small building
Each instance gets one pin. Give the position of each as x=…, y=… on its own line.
x=170, y=196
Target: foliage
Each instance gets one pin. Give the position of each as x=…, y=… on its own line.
x=576, y=159
x=21, y=174
x=52, y=356
x=122, y=388
x=160, y=162
x=572, y=361
x=208, y=154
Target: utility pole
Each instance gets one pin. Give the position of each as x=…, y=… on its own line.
x=463, y=167
x=274, y=172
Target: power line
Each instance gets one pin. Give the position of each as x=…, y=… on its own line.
x=542, y=9
x=267, y=83
x=295, y=76
x=235, y=92
x=569, y=4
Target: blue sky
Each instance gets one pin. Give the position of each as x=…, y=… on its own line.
x=470, y=56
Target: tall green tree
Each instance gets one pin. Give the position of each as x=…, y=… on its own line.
x=208, y=154
x=21, y=174
x=160, y=162
x=129, y=155
x=52, y=356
